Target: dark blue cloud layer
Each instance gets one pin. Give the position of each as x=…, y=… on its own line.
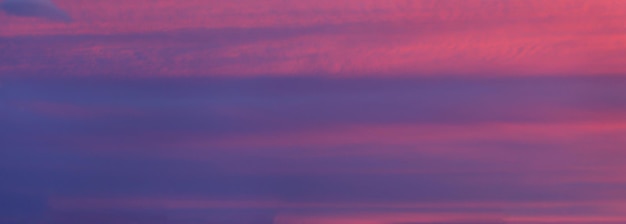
x=35, y=8
x=52, y=154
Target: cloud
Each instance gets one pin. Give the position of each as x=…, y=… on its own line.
x=35, y=8
x=456, y=222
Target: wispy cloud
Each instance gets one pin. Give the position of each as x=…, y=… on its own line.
x=35, y=8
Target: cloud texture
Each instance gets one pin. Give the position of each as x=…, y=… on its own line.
x=313, y=112
x=317, y=150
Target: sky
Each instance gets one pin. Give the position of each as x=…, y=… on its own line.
x=313, y=112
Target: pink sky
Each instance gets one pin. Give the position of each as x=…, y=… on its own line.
x=338, y=38
x=313, y=112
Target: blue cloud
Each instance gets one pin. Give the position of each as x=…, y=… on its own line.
x=35, y=8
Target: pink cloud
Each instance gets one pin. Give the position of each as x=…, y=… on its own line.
x=196, y=124
x=120, y=16
x=523, y=37
x=506, y=212
x=157, y=203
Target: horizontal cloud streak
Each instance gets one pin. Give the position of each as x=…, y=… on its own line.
x=303, y=112
x=318, y=139
x=118, y=16
x=441, y=38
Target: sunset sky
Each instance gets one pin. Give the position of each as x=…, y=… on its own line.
x=313, y=112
